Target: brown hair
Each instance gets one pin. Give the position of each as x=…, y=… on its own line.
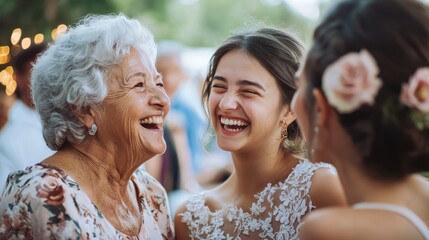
x=396, y=33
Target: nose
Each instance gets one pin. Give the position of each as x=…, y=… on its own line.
x=159, y=97
x=228, y=102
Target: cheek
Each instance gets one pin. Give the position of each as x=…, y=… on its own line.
x=213, y=102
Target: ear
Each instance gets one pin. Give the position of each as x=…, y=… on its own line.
x=322, y=108
x=288, y=116
x=86, y=116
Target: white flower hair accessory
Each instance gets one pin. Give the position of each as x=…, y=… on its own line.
x=351, y=81
x=415, y=94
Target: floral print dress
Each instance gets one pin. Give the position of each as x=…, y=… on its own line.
x=43, y=202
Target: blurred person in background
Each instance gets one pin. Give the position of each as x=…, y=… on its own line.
x=248, y=91
x=103, y=105
x=21, y=139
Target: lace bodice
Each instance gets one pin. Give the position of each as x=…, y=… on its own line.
x=275, y=214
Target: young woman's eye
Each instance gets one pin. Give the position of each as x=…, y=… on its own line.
x=218, y=86
x=250, y=91
x=160, y=85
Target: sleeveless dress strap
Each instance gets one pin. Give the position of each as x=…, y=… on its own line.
x=405, y=212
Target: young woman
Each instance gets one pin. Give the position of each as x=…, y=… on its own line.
x=363, y=105
x=248, y=90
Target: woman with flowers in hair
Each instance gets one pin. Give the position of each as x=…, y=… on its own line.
x=363, y=106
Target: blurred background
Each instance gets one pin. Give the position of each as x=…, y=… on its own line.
x=194, y=23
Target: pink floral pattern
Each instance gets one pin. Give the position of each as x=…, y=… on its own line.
x=415, y=93
x=42, y=202
x=351, y=81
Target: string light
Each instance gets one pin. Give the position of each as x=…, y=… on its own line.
x=16, y=36
x=38, y=39
x=4, y=54
x=54, y=34
x=7, y=76
x=26, y=43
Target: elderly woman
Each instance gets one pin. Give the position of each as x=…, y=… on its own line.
x=102, y=104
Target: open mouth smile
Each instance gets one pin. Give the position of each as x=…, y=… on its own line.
x=153, y=122
x=233, y=125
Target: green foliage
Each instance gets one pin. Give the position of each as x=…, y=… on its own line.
x=208, y=22
x=193, y=22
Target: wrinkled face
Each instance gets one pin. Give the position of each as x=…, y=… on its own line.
x=133, y=113
x=244, y=104
x=172, y=73
x=298, y=105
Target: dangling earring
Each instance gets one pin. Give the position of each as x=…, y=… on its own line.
x=92, y=130
x=283, y=134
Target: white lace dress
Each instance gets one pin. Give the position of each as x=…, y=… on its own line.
x=275, y=214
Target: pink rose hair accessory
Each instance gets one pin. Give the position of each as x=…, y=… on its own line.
x=415, y=94
x=351, y=81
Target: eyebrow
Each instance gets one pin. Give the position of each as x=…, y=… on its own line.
x=144, y=75
x=241, y=82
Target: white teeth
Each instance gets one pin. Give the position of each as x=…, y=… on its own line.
x=232, y=122
x=152, y=120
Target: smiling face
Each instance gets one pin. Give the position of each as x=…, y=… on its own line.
x=244, y=104
x=133, y=113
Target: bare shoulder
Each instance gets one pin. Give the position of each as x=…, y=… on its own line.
x=346, y=223
x=329, y=223
x=326, y=189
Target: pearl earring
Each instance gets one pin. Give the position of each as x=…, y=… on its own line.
x=92, y=130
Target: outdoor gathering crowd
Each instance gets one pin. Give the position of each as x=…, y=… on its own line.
x=275, y=141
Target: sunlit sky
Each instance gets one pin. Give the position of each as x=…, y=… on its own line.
x=308, y=8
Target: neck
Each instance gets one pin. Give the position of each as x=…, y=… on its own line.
x=359, y=187
x=91, y=164
x=253, y=171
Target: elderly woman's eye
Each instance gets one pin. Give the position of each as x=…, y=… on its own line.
x=160, y=85
x=140, y=84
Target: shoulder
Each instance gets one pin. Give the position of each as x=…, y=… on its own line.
x=189, y=216
x=338, y=223
x=326, y=188
x=187, y=210
x=327, y=224
x=39, y=199
x=346, y=223
x=33, y=179
x=181, y=218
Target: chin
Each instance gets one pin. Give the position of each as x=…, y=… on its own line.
x=227, y=146
x=160, y=149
